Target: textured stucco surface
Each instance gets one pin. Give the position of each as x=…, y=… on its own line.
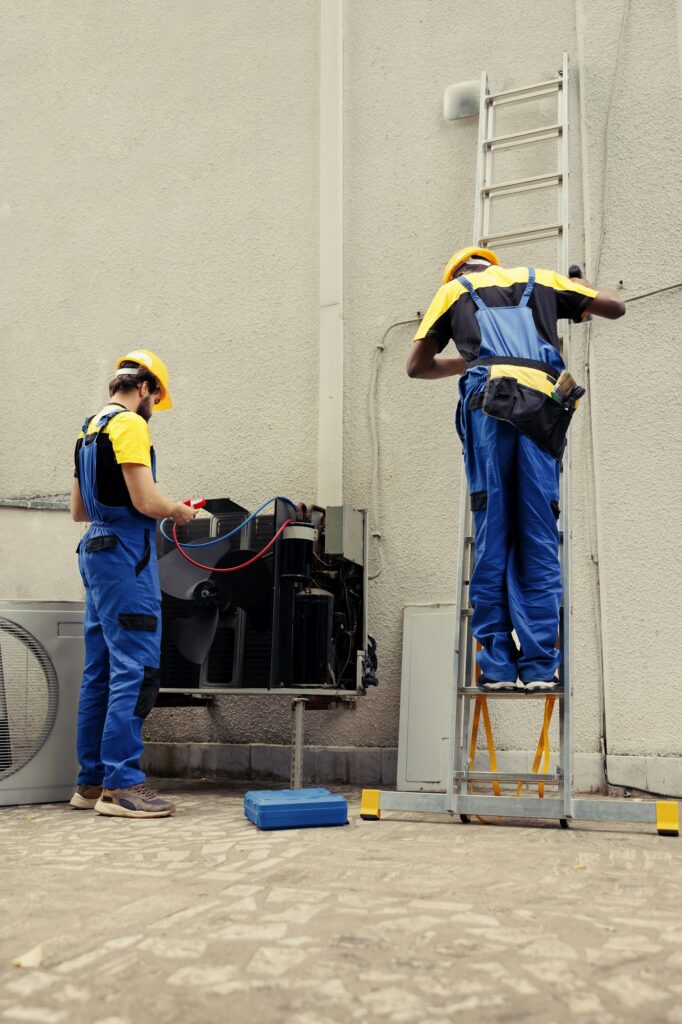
x=160, y=187
x=38, y=555
x=638, y=427
x=160, y=184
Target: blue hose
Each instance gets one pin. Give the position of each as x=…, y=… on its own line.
x=218, y=540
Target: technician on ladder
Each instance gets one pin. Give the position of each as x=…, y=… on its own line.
x=512, y=419
x=115, y=489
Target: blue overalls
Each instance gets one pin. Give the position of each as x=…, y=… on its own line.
x=122, y=627
x=514, y=487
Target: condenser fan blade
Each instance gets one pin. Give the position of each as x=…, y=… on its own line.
x=193, y=637
x=179, y=578
x=250, y=589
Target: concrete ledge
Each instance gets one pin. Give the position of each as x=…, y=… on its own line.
x=360, y=766
x=661, y=775
x=376, y=766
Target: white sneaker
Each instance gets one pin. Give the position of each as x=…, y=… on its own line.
x=491, y=685
x=542, y=686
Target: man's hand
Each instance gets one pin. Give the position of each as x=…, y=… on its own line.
x=607, y=302
x=183, y=513
x=423, y=364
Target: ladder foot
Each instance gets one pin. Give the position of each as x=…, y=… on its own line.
x=465, y=819
x=369, y=805
x=563, y=822
x=667, y=818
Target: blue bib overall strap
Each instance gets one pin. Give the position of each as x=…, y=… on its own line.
x=122, y=628
x=514, y=487
x=511, y=330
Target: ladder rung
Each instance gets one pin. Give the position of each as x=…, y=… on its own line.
x=525, y=92
x=529, y=235
x=512, y=777
x=474, y=691
x=522, y=184
x=548, y=131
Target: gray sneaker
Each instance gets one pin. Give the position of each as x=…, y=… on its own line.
x=134, y=802
x=85, y=797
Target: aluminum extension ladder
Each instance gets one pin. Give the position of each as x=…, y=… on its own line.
x=460, y=797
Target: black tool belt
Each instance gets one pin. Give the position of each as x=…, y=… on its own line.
x=521, y=397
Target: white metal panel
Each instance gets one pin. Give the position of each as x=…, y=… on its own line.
x=426, y=696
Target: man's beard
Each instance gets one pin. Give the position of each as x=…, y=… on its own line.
x=146, y=408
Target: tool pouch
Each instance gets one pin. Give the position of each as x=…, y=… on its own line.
x=535, y=414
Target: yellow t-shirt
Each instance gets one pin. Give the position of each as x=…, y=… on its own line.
x=128, y=433
x=124, y=439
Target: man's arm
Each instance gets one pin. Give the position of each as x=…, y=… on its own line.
x=424, y=365
x=607, y=302
x=149, y=500
x=79, y=512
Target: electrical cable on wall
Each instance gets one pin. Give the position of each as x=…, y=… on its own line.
x=374, y=495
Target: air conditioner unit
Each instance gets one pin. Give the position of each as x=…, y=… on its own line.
x=295, y=619
x=41, y=666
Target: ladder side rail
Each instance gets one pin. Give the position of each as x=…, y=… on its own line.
x=566, y=709
x=470, y=667
x=459, y=732
x=457, y=737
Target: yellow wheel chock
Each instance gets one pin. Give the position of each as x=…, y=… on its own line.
x=369, y=804
x=667, y=818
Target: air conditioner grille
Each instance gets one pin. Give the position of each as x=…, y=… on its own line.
x=29, y=696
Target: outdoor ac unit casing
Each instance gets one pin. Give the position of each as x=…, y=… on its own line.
x=56, y=629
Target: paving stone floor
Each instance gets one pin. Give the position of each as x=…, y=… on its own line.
x=202, y=918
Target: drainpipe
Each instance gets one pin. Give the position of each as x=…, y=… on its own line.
x=330, y=414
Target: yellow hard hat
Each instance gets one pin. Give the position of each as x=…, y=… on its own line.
x=463, y=256
x=145, y=357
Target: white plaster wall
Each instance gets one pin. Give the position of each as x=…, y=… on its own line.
x=37, y=555
x=161, y=184
x=638, y=425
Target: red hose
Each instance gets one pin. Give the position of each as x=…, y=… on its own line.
x=234, y=568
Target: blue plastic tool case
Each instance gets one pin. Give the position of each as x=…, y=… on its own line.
x=295, y=808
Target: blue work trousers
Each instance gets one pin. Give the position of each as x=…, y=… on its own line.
x=122, y=652
x=516, y=581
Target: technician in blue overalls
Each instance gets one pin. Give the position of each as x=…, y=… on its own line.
x=114, y=489
x=504, y=325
